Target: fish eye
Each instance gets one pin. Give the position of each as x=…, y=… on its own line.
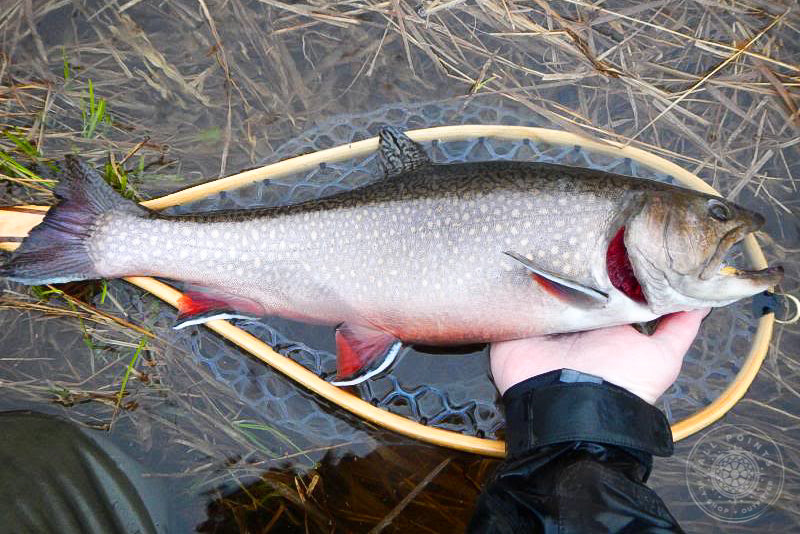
x=719, y=210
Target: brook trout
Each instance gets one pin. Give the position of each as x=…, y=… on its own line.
x=433, y=254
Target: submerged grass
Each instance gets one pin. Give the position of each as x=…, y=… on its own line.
x=128, y=372
x=94, y=114
x=45, y=292
x=9, y=167
x=247, y=427
x=119, y=180
x=199, y=87
x=23, y=145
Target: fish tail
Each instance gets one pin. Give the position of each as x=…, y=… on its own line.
x=57, y=250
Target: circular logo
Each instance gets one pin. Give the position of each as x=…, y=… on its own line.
x=734, y=473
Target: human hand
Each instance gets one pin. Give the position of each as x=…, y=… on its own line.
x=644, y=365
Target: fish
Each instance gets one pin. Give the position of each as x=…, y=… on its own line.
x=433, y=254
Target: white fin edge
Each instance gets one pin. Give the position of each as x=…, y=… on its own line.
x=202, y=320
x=390, y=357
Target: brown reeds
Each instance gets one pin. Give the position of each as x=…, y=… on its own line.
x=194, y=89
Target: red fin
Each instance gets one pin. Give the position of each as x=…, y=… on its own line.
x=195, y=307
x=552, y=288
x=362, y=352
x=563, y=292
x=620, y=270
x=575, y=293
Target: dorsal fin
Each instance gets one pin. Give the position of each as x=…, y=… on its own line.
x=399, y=154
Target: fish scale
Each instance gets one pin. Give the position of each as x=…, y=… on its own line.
x=387, y=251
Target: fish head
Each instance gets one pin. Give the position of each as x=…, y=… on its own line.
x=677, y=245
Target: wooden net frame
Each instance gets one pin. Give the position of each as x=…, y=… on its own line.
x=16, y=222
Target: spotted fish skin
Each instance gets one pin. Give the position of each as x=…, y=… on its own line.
x=418, y=255
x=438, y=254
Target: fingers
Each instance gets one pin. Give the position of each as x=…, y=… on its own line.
x=676, y=331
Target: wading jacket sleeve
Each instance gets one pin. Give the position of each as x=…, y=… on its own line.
x=579, y=453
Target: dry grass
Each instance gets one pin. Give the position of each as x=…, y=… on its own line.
x=194, y=89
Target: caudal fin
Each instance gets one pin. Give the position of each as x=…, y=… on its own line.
x=57, y=250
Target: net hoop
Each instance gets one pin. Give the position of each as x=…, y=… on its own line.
x=17, y=221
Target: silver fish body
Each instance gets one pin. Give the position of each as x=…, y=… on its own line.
x=419, y=255
x=437, y=254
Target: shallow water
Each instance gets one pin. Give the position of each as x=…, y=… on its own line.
x=210, y=421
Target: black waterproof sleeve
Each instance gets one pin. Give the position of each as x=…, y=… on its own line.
x=578, y=456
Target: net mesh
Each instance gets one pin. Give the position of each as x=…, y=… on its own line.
x=452, y=390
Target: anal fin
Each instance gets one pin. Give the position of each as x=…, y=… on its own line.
x=197, y=307
x=362, y=352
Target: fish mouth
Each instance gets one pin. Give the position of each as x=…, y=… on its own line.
x=769, y=277
x=719, y=265
x=715, y=262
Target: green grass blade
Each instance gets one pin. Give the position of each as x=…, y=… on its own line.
x=129, y=370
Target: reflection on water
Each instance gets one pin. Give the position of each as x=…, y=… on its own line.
x=358, y=492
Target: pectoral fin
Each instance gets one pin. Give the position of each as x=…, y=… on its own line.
x=200, y=306
x=362, y=352
x=563, y=288
x=399, y=154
